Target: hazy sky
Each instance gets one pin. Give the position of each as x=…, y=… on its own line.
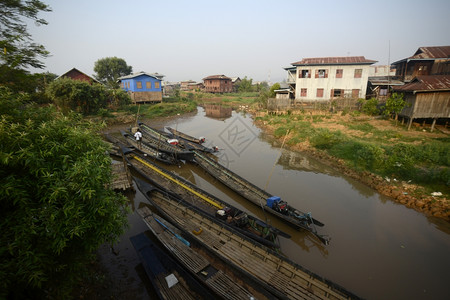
x=194, y=39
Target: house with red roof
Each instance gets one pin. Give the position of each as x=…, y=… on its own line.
x=76, y=74
x=327, y=78
x=218, y=84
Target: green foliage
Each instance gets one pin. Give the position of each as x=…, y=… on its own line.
x=369, y=107
x=245, y=85
x=274, y=87
x=394, y=105
x=109, y=69
x=326, y=139
x=54, y=207
x=80, y=96
x=17, y=49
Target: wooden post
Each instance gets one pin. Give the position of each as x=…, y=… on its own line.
x=432, y=125
x=410, y=123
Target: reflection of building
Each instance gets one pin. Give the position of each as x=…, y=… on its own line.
x=218, y=111
x=326, y=78
x=218, y=84
x=142, y=87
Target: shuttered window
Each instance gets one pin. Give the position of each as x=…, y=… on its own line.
x=157, y=85
x=319, y=93
x=358, y=73
x=303, y=92
x=304, y=74
x=355, y=93
x=321, y=73
x=139, y=84
x=339, y=73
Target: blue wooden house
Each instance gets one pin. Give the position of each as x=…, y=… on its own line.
x=142, y=87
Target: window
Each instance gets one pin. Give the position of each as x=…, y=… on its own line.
x=321, y=73
x=383, y=92
x=139, y=84
x=339, y=73
x=128, y=85
x=121, y=85
x=157, y=85
x=358, y=73
x=336, y=93
x=304, y=74
x=319, y=93
x=303, y=92
x=355, y=93
x=148, y=85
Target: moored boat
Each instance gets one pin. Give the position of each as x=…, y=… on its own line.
x=278, y=274
x=192, y=195
x=185, y=136
x=169, y=279
x=271, y=204
x=224, y=281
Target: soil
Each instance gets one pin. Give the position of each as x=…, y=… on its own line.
x=410, y=195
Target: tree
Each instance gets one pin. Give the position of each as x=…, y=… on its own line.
x=275, y=86
x=55, y=210
x=245, y=85
x=17, y=48
x=394, y=105
x=109, y=69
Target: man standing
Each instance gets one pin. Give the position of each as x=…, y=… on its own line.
x=138, y=137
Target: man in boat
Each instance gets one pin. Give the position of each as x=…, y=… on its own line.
x=138, y=137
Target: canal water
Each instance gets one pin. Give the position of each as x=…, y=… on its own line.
x=378, y=250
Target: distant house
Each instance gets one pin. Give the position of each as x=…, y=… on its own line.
x=76, y=74
x=142, y=87
x=428, y=98
x=327, y=78
x=426, y=61
x=380, y=83
x=218, y=84
x=235, y=81
x=184, y=85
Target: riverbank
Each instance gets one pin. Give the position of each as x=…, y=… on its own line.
x=411, y=195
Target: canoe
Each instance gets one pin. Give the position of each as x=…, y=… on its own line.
x=169, y=279
x=256, y=195
x=278, y=274
x=148, y=151
x=225, y=282
x=160, y=143
x=185, y=136
x=191, y=195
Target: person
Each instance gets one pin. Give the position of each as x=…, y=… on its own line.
x=138, y=136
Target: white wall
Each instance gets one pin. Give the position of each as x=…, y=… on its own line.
x=348, y=81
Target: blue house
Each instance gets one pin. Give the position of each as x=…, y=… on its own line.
x=142, y=87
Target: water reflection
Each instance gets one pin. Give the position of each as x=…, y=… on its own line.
x=218, y=111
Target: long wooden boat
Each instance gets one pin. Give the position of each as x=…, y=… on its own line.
x=224, y=281
x=199, y=199
x=161, y=144
x=258, y=196
x=185, y=136
x=278, y=274
x=169, y=279
x=150, y=152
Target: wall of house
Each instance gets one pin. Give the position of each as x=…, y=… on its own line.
x=147, y=84
x=348, y=85
x=142, y=97
x=427, y=105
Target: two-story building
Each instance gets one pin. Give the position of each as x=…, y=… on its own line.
x=218, y=84
x=142, y=87
x=326, y=78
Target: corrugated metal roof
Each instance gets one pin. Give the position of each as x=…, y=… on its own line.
x=216, y=77
x=346, y=60
x=136, y=75
x=432, y=52
x=426, y=83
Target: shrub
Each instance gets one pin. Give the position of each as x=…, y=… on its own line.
x=369, y=107
x=326, y=139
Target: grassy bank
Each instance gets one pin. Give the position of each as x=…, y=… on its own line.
x=367, y=145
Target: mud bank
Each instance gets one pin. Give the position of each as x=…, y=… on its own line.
x=407, y=194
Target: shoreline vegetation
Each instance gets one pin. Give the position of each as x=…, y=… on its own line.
x=411, y=167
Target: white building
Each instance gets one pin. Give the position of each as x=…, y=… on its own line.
x=325, y=78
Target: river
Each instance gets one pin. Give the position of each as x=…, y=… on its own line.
x=379, y=249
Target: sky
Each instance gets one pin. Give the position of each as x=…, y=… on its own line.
x=189, y=40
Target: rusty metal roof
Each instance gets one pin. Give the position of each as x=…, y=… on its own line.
x=346, y=60
x=432, y=52
x=426, y=83
x=220, y=77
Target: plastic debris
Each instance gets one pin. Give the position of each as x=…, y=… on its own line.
x=436, y=194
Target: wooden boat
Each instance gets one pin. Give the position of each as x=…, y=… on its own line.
x=148, y=151
x=169, y=279
x=185, y=136
x=193, y=196
x=225, y=282
x=279, y=275
x=160, y=143
x=268, y=202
